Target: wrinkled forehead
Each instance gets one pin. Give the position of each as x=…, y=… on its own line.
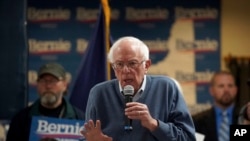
x=127, y=54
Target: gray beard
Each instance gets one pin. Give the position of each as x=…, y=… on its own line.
x=49, y=99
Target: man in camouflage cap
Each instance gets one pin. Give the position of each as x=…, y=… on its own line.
x=54, y=69
x=51, y=86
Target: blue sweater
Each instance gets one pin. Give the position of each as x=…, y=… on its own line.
x=164, y=101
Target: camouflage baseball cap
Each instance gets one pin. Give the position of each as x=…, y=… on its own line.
x=54, y=69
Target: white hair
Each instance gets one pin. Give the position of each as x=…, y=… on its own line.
x=144, y=50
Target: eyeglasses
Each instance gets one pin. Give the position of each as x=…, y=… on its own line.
x=130, y=64
x=51, y=82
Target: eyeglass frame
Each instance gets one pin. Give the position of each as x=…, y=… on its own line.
x=127, y=64
x=50, y=82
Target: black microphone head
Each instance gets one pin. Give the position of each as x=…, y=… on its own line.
x=128, y=90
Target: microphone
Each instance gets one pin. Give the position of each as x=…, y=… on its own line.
x=128, y=92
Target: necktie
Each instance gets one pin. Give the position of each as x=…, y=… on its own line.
x=224, y=127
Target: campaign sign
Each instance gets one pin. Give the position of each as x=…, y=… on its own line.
x=239, y=132
x=56, y=128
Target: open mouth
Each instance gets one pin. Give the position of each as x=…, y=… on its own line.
x=128, y=81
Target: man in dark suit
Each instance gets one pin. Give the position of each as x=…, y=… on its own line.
x=223, y=91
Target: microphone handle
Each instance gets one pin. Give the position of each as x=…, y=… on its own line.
x=128, y=122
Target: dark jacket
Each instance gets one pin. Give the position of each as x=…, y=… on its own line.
x=20, y=124
x=205, y=123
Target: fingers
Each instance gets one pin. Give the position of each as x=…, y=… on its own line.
x=134, y=113
x=136, y=110
x=98, y=124
x=140, y=112
x=92, y=131
x=135, y=106
x=88, y=125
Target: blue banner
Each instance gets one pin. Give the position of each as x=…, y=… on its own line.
x=183, y=37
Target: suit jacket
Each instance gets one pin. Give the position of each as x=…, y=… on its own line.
x=205, y=123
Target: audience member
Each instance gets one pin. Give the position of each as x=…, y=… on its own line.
x=223, y=91
x=51, y=88
x=244, y=115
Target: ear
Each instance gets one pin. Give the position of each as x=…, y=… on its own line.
x=65, y=84
x=147, y=65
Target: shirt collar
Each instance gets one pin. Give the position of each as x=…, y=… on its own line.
x=142, y=86
x=229, y=110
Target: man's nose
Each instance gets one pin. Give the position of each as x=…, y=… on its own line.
x=125, y=68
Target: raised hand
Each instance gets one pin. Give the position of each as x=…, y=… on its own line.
x=93, y=132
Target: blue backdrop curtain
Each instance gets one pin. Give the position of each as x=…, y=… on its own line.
x=13, y=57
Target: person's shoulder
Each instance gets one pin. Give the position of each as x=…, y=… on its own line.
x=80, y=114
x=76, y=112
x=106, y=84
x=203, y=115
x=159, y=77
